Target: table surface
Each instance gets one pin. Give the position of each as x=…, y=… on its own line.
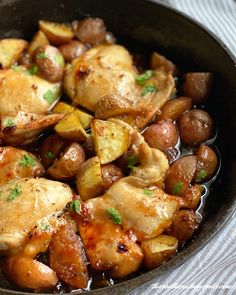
x=213, y=269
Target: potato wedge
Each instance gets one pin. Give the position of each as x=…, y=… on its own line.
x=64, y=108
x=110, y=139
x=184, y=225
x=57, y=33
x=89, y=181
x=70, y=128
x=108, y=107
x=66, y=167
x=10, y=51
x=158, y=250
x=38, y=40
x=27, y=273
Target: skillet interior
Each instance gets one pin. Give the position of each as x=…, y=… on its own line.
x=148, y=25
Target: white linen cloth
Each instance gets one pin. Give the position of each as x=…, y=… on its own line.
x=212, y=270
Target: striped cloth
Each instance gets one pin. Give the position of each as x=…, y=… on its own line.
x=213, y=269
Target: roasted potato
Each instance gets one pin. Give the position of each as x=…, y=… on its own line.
x=89, y=180
x=72, y=50
x=50, y=149
x=38, y=40
x=67, y=257
x=192, y=197
x=162, y=135
x=110, y=139
x=16, y=163
x=110, y=38
x=174, y=108
x=69, y=163
x=195, y=127
x=111, y=106
x=110, y=174
x=70, y=128
x=24, y=91
x=64, y=108
x=27, y=273
x=197, y=86
x=10, y=51
x=159, y=61
x=90, y=30
x=25, y=60
x=158, y=250
x=57, y=33
x=206, y=163
x=184, y=225
x=50, y=63
x=180, y=175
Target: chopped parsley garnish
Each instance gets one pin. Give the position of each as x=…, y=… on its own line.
x=49, y=155
x=33, y=70
x=178, y=187
x=42, y=55
x=141, y=79
x=27, y=161
x=44, y=227
x=132, y=161
x=201, y=175
x=75, y=206
x=49, y=96
x=9, y=123
x=16, y=68
x=14, y=193
x=148, y=89
x=114, y=215
x=59, y=59
x=148, y=192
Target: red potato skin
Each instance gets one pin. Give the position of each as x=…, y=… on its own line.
x=48, y=66
x=197, y=86
x=111, y=174
x=181, y=171
x=207, y=161
x=162, y=135
x=72, y=50
x=68, y=164
x=184, y=225
x=174, y=108
x=67, y=257
x=26, y=272
x=195, y=127
x=50, y=149
x=90, y=30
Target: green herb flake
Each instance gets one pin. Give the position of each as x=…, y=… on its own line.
x=148, y=89
x=178, y=187
x=132, y=161
x=75, y=206
x=147, y=192
x=16, y=68
x=49, y=96
x=59, y=59
x=49, y=155
x=201, y=175
x=42, y=55
x=14, y=193
x=33, y=70
x=9, y=123
x=45, y=227
x=141, y=79
x=114, y=215
x=27, y=161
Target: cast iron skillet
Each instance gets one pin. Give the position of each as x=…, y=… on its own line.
x=148, y=25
